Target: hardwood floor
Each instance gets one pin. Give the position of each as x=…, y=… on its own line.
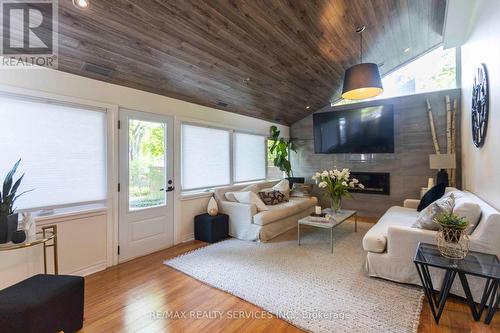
x=138, y=295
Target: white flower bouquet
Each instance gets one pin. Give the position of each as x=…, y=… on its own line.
x=336, y=184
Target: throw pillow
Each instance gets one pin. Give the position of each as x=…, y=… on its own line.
x=425, y=219
x=230, y=195
x=249, y=197
x=301, y=190
x=432, y=195
x=272, y=198
x=466, y=207
x=284, y=187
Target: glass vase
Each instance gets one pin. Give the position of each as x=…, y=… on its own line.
x=336, y=203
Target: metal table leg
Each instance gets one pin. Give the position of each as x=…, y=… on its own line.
x=331, y=238
x=53, y=229
x=298, y=233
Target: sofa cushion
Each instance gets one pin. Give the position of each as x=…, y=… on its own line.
x=466, y=207
x=430, y=196
x=375, y=240
x=425, y=219
x=283, y=210
x=249, y=197
x=282, y=186
x=271, y=198
x=230, y=195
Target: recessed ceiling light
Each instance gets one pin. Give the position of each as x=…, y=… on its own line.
x=407, y=50
x=81, y=4
x=308, y=107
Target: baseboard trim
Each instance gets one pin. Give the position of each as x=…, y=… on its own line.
x=188, y=238
x=90, y=269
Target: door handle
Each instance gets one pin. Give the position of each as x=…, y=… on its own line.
x=170, y=189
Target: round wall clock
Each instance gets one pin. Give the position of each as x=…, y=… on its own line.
x=480, y=106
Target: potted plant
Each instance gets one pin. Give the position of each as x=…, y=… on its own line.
x=8, y=196
x=336, y=184
x=279, y=150
x=451, y=238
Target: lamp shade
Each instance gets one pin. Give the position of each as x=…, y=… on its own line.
x=362, y=81
x=442, y=161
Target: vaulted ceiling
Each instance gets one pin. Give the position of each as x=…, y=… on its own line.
x=265, y=59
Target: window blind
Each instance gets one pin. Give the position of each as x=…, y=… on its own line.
x=249, y=157
x=62, y=150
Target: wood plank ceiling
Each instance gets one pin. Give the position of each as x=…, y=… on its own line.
x=265, y=59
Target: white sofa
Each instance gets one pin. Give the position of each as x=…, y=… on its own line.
x=246, y=223
x=391, y=244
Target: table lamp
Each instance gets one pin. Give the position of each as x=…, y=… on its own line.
x=442, y=162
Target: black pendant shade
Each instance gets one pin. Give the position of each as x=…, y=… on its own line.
x=362, y=81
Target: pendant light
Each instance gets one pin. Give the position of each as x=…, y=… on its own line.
x=362, y=81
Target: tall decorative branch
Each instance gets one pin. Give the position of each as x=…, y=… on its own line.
x=448, y=133
x=453, y=174
x=433, y=128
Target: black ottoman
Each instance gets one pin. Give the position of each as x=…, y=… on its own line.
x=211, y=229
x=43, y=304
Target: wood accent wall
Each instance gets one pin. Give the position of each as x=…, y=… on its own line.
x=408, y=166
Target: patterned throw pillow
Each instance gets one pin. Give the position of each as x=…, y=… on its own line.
x=272, y=198
x=301, y=190
x=425, y=219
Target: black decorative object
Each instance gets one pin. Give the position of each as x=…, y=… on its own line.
x=211, y=229
x=432, y=195
x=442, y=177
x=480, y=106
x=8, y=225
x=477, y=264
x=292, y=180
x=18, y=236
x=43, y=304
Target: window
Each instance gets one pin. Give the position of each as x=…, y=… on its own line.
x=249, y=155
x=62, y=150
x=210, y=160
x=432, y=71
x=205, y=157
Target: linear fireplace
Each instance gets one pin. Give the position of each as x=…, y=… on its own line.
x=374, y=182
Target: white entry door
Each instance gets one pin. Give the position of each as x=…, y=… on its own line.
x=146, y=221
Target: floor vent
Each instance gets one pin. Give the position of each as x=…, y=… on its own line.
x=96, y=69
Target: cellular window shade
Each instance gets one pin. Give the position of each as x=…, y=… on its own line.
x=249, y=157
x=205, y=157
x=62, y=150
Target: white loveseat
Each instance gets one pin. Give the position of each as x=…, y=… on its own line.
x=246, y=223
x=391, y=244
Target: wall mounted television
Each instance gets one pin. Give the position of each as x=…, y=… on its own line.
x=358, y=130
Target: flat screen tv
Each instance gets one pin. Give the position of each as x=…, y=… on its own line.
x=357, y=131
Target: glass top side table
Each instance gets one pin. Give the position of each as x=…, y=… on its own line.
x=478, y=264
x=47, y=237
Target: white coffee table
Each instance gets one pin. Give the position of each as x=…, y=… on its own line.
x=337, y=219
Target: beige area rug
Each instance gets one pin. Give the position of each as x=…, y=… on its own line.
x=308, y=286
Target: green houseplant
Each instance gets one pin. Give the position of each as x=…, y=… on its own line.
x=8, y=197
x=279, y=150
x=452, y=240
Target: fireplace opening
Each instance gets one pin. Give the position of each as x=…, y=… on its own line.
x=374, y=182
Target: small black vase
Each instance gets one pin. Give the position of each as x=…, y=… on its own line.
x=8, y=225
x=292, y=180
x=18, y=236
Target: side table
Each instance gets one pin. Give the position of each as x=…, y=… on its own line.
x=477, y=264
x=211, y=229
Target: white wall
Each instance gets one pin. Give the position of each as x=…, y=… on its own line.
x=481, y=167
x=87, y=253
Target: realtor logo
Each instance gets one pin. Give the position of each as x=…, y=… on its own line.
x=29, y=33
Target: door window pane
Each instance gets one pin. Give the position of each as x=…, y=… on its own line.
x=146, y=155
